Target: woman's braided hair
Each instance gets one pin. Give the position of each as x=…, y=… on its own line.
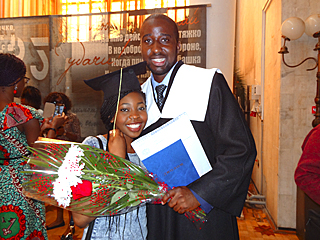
x=12, y=68
x=109, y=106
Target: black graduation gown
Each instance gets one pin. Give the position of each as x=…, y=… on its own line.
x=230, y=148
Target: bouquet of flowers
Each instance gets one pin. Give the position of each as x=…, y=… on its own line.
x=91, y=181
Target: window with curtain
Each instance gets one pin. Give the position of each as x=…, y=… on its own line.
x=79, y=30
x=23, y=8
x=82, y=40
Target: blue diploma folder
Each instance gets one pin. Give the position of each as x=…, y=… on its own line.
x=172, y=165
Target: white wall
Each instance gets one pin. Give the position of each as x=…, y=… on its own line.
x=298, y=90
x=220, y=35
x=288, y=96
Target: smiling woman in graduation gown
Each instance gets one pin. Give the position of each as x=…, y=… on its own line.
x=227, y=141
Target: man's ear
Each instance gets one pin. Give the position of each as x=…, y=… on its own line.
x=178, y=46
x=112, y=120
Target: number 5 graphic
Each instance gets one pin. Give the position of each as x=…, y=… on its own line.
x=40, y=42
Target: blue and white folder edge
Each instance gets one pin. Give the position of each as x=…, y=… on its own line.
x=157, y=150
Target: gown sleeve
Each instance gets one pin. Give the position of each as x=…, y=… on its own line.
x=230, y=148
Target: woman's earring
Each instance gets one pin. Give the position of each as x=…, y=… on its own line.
x=15, y=89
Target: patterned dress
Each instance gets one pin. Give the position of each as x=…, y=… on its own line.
x=18, y=217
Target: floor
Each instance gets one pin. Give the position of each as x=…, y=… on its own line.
x=253, y=225
x=55, y=234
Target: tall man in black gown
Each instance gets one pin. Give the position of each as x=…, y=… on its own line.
x=219, y=123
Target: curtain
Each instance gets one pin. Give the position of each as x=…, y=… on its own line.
x=24, y=8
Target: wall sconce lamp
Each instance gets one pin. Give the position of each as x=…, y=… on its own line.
x=293, y=28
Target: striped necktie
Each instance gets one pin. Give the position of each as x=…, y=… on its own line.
x=160, y=89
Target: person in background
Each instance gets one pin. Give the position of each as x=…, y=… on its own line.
x=31, y=96
x=21, y=217
x=307, y=173
x=175, y=88
x=131, y=119
x=70, y=131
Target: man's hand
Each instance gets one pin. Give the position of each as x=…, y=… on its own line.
x=181, y=200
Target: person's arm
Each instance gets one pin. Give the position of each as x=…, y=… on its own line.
x=230, y=147
x=31, y=130
x=81, y=220
x=307, y=173
x=51, y=125
x=181, y=199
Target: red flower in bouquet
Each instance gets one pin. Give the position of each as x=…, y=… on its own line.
x=83, y=189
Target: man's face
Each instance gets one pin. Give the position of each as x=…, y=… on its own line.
x=159, y=47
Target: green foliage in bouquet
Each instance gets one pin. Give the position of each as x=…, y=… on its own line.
x=86, y=179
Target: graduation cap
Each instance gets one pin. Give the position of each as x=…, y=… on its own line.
x=109, y=83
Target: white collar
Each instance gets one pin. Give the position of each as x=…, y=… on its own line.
x=189, y=93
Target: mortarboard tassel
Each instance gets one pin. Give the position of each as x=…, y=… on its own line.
x=115, y=116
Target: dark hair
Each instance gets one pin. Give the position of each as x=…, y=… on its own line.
x=52, y=97
x=166, y=18
x=32, y=95
x=12, y=69
x=109, y=105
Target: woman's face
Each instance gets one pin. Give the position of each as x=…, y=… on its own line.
x=132, y=115
x=59, y=101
